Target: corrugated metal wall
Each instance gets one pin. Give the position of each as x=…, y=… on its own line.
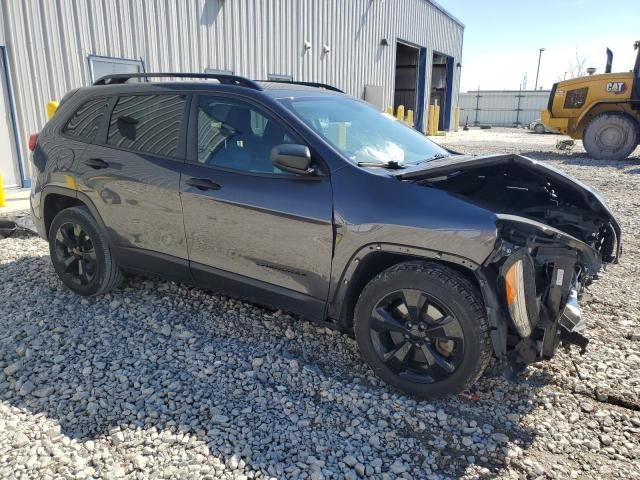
x=502, y=108
x=48, y=42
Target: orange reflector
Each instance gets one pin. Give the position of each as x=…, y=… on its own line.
x=511, y=284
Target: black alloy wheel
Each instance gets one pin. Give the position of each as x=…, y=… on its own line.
x=81, y=254
x=76, y=254
x=416, y=337
x=423, y=329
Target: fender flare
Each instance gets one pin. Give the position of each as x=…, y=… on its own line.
x=341, y=286
x=68, y=192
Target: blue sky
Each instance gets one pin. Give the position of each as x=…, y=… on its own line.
x=502, y=38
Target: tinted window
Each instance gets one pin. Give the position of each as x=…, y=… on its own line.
x=147, y=123
x=236, y=135
x=85, y=122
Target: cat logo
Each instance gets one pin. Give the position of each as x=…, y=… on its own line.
x=616, y=87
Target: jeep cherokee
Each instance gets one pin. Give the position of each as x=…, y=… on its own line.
x=297, y=196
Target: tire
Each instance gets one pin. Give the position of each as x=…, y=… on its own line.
x=610, y=136
x=80, y=253
x=448, y=296
x=539, y=128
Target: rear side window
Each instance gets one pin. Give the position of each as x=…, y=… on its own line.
x=147, y=123
x=86, y=120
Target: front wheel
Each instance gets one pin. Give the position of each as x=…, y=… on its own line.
x=422, y=328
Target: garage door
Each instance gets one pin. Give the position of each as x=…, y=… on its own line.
x=8, y=155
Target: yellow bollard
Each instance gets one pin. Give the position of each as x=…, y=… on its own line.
x=456, y=124
x=3, y=202
x=410, y=118
x=430, y=129
x=400, y=113
x=390, y=110
x=52, y=106
x=436, y=119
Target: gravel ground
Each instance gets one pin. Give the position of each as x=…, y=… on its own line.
x=160, y=379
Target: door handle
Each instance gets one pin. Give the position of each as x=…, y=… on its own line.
x=203, y=184
x=96, y=163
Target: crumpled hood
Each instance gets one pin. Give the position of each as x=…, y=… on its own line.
x=517, y=185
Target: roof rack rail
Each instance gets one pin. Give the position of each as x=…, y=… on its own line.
x=308, y=84
x=222, y=78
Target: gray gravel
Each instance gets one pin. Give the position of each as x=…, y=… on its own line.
x=160, y=379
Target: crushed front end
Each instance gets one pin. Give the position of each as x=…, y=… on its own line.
x=553, y=236
x=539, y=276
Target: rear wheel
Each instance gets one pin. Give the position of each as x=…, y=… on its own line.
x=80, y=254
x=610, y=136
x=539, y=128
x=421, y=327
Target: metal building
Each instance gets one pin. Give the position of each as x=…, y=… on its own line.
x=502, y=108
x=388, y=52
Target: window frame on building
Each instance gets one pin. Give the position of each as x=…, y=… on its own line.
x=218, y=71
x=280, y=77
x=91, y=58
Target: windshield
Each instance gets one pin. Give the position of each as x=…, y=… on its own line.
x=362, y=133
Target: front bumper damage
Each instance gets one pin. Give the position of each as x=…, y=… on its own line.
x=540, y=275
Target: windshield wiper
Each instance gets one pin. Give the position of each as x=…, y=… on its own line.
x=392, y=165
x=437, y=156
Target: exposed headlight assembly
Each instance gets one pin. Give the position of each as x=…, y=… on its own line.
x=519, y=289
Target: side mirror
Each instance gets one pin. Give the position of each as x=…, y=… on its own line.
x=292, y=158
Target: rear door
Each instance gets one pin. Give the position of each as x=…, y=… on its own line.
x=254, y=230
x=132, y=175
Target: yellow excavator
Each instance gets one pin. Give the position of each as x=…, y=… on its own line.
x=602, y=110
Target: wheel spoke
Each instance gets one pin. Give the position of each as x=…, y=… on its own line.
x=82, y=272
x=68, y=262
x=384, y=321
x=448, y=327
x=401, y=353
x=435, y=360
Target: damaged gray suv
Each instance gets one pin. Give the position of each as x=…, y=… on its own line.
x=299, y=197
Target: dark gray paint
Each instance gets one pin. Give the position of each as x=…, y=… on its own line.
x=293, y=242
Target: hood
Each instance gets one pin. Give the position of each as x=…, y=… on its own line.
x=521, y=186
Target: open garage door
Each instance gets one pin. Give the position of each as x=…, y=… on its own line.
x=442, y=88
x=409, y=80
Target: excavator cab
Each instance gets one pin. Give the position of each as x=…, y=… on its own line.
x=601, y=110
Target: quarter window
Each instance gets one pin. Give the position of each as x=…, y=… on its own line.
x=235, y=135
x=147, y=123
x=86, y=120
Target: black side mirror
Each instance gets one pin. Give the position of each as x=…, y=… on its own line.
x=292, y=158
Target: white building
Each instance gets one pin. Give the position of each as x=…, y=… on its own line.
x=388, y=52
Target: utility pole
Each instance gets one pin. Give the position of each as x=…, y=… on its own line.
x=538, y=71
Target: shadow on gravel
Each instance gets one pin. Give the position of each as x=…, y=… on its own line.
x=178, y=367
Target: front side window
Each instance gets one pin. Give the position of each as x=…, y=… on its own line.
x=362, y=133
x=86, y=120
x=237, y=136
x=147, y=123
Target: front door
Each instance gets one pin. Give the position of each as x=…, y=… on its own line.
x=252, y=229
x=132, y=173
